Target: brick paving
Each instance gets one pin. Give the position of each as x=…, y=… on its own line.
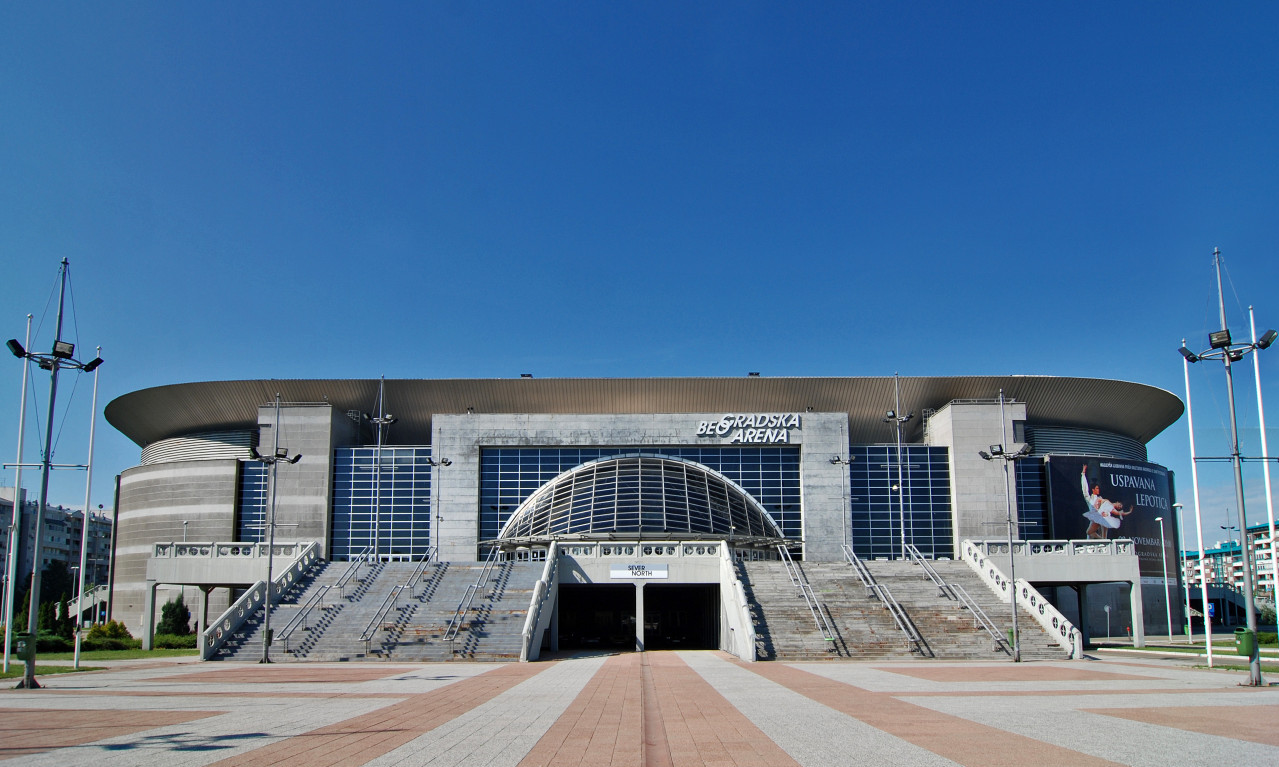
x=642, y=710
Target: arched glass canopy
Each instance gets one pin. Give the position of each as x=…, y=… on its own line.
x=637, y=497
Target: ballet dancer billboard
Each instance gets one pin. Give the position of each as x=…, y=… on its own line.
x=1107, y=498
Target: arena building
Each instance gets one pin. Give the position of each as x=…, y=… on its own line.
x=450, y=470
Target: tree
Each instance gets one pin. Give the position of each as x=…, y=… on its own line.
x=175, y=618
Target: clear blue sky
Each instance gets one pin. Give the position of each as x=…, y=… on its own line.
x=455, y=189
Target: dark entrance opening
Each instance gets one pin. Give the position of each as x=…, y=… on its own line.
x=681, y=617
x=597, y=616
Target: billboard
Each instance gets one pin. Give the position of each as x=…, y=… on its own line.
x=1108, y=498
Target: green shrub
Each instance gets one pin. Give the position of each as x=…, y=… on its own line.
x=53, y=643
x=175, y=618
x=174, y=641
x=109, y=643
x=109, y=630
x=1267, y=637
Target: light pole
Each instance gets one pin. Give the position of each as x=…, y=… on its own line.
x=1222, y=347
x=1265, y=468
x=839, y=461
x=1163, y=557
x=62, y=356
x=84, y=527
x=997, y=452
x=15, y=519
x=278, y=454
x=898, y=420
x=380, y=420
x=1185, y=577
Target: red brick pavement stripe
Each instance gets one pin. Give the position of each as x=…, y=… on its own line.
x=952, y=737
x=1011, y=673
x=31, y=731
x=602, y=726
x=702, y=726
x=1252, y=723
x=290, y=674
x=359, y=739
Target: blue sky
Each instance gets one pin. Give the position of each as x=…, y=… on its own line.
x=454, y=189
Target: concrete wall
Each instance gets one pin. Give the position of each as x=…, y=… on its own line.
x=154, y=502
x=304, y=490
x=459, y=438
x=978, y=504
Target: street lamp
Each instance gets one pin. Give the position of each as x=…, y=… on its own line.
x=898, y=420
x=380, y=420
x=839, y=461
x=61, y=357
x=997, y=453
x=1163, y=557
x=278, y=454
x=1222, y=347
x=1185, y=577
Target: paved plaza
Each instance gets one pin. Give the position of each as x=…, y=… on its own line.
x=675, y=708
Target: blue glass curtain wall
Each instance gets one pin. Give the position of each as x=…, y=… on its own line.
x=1032, y=499
x=400, y=515
x=250, y=512
x=511, y=474
x=876, y=511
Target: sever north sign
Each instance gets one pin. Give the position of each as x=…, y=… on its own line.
x=638, y=571
x=754, y=428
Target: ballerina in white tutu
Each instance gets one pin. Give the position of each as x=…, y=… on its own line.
x=1102, y=515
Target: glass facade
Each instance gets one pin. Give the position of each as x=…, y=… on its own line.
x=509, y=475
x=1032, y=499
x=399, y=517
x=250, y=512
x=876, y=511
x=643, y=496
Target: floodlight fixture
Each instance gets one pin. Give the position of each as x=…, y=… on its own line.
x=1219, y=339
x=1266, y=339
x=92, y=365
x=1189, y=355
x=63, y=349
x=20, y=352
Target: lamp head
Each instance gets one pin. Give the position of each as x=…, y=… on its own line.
x=1189, y=355
x=984, y=455
x=996, y=450
x=1267, y=338
x=63, y=349
x=16, y=348
x=1219, y=339
x=92, y=365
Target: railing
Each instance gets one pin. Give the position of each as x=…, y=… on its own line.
x=361, y=558
x=806, y=593
x=741, y=630
x=301, y=619
x=416, y=575
x=375, y=623
x=230, y=621
x=222, y=629
x=1069, y=548
x=464, y=604
x=1061, y=629
x=90, y=599
x=930, y=571
x=914, y=640
x=981, y=618
x=230, y=549
x=531, y=646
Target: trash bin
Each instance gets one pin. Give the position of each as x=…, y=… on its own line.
x=24, y=646
x=1246, y=642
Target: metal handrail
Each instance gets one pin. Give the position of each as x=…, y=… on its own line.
x=300, y=619
x=359, y=559
x=806, y=591
x=416, y=575
x=370, y=630
x=886, y=598
x=981, y=617
x=464, y=604
x=930, y=571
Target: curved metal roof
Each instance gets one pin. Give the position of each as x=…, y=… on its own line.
x=633, y=496
x=1132, y=409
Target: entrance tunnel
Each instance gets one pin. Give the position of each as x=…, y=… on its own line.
x=602, y=616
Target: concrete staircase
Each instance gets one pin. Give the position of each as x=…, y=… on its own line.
x=412, y=629
x=865, y=629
